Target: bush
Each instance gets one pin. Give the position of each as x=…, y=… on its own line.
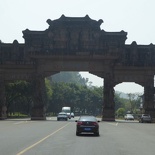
x=120, y=112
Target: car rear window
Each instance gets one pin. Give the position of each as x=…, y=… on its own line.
x=62, y=114
x=88, y=118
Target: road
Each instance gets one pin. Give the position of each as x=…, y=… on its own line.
x=51, y=137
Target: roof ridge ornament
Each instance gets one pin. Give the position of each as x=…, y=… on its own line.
x=86, y=20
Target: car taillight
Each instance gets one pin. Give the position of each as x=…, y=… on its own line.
x=79, y=123
x=95, y=123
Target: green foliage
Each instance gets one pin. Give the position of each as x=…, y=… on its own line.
x=17, y=114
x=120, y=112
x=49, y=91
x=79, y=98
x=119, y=102
x=133, y=102
x=69, y=77
x=18, y=97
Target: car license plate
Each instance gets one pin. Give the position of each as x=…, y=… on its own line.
x=87, y=129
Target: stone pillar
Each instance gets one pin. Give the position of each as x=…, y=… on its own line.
x=149, y=107
x=3, y=108
x=39, y=96
x=108, y=103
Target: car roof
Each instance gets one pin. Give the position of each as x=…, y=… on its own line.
x=62, y=113
x=145, y=114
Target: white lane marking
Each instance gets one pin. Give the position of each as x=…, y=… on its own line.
x=40, y=141
x=114, y=124
x=20, y=122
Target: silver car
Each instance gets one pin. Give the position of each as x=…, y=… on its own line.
x=145, y=118
x=62, y=116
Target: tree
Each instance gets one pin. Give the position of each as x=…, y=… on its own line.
x=134, y=102
x=80, y=98
x=120, y=112
x=49, y=91
x=18, y=97
x=120, y=102
x=69, y=77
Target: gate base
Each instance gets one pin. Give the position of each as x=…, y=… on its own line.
x=108, y=114
x=38, y=113
x=3, y=114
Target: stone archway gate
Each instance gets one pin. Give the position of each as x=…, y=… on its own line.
x=77, y=44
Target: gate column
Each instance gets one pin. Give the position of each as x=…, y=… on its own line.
x=3, y=108
x=149, y=107
x=108, y=103
x=39, y=97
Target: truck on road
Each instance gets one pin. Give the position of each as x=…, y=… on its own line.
x=67, y=110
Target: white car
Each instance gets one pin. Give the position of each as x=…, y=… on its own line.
x=129, y=117
x=72, y=115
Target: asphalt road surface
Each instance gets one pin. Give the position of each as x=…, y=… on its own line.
x=51, y=137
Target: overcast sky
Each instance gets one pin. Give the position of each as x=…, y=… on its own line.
x=136, y=17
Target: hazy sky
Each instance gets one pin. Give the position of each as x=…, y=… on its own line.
x=133, y=16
